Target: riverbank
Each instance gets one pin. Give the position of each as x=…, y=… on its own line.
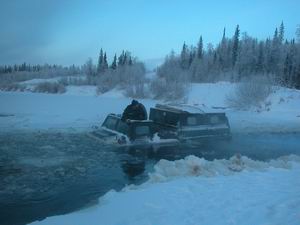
x=195, y=191
x=80, y=108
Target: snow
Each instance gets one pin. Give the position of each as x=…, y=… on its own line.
x=80, y=108
x=58, y=111
x=85, y=90
x=195, y=191
x=281, y=113
x=37, y=81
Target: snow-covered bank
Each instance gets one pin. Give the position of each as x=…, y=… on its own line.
x=236, y=191
x=280, y=113
x=80, y=108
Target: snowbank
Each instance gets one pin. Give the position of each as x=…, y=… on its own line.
x=251, y=193
x=194, y=166
x=280, y=113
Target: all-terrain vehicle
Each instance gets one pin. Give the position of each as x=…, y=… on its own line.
x=167, y=124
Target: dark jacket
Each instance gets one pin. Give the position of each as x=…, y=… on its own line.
x=135, y=112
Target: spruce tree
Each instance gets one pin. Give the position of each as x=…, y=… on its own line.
x=100, y=62
x=105, y=64
x=130, y=61
x=235, y=46
x=260, y=58
x=121, y=59
x=200, y=48
x=281, y=33
x=114, y=63
x=125, y=58
x=184, y=57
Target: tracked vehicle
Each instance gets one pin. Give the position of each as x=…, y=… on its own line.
x=167, y=124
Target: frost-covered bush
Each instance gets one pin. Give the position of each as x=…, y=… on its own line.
x=171, y=82
x=175, y=90
x=130, y=78
x=137, y=90
x=73, y=81
x=250, y=93
x=12, y=87
x=50, y=87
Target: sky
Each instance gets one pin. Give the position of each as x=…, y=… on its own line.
x=68, y=32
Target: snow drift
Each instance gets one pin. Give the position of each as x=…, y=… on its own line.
x=202, y=193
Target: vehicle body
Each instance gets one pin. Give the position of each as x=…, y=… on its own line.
x=167, y=124
x=115, y=131
x=185, y=122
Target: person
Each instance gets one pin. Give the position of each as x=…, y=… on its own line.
x=134, y=111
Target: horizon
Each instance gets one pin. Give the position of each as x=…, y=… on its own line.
x=66, y=33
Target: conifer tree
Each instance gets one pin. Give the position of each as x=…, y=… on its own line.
x=130, y=61
x=121, y=59
x=125, y=58
x=281, y=33
x=235, y=46
x=200, y=48
x=100, y=62
x=105, y=64
x=114, y=63
x=184, y=56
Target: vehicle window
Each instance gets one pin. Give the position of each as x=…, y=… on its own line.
x=142, y=130
x=122, y=127
x=191, y=120
x=110, y=123
x=214, y=120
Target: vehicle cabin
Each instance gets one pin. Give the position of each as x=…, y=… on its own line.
x=188, y=122
x=135, y=129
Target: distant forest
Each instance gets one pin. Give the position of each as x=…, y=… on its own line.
x=237, y=58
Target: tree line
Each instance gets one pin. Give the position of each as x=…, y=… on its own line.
x=125, y=71
x=24, y=67
x=237, y=58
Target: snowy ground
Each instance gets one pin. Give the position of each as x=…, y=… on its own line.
x=195, y=191
x=80, y=108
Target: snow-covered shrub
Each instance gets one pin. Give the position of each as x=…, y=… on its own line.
x=132, y=80
x=12, y=87
x=175, y=90
x=73, y=81
x=50, y=87
x=250, y=93
x=136, y=91
x=171, y=82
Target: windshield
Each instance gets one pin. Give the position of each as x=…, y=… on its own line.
x=110, y=123
x=142, y=130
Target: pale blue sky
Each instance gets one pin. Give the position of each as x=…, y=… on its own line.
x=70, y=31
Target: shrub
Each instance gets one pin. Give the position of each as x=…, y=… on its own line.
x=77, y=81
x=12, y=87
x=49, y=87
x=250, y=93
x=172, y=90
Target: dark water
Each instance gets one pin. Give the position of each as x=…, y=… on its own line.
x=44, y=174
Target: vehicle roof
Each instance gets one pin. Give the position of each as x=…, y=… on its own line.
x=119, y=116
x=180, y=108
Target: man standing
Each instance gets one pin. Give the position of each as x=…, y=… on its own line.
x=135, y=111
